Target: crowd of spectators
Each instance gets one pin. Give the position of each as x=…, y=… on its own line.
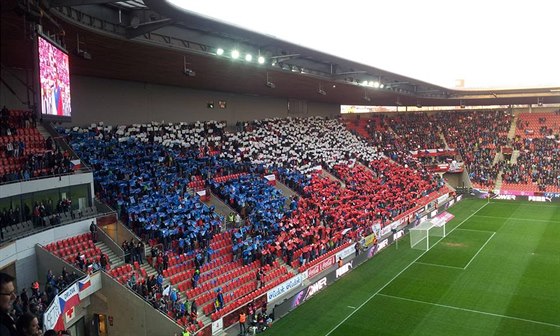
x=538, y=125
x=417, y=130
x=24, y=153
x=144, y=171
x=478, y=136
x=148, y=184
x=261, y=205
x=297, y=143
x=538, y=165
x=31, y=303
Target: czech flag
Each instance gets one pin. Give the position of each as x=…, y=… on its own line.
x=84, y=284
x=69, y=298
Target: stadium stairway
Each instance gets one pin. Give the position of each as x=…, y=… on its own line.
x=513, y=128
x=498, y=157
x=287, y=192
x=114, y=260
x=330, y=176
x=514, y=156
x=442, y=137
x=498, y=184
x=43, y=131
x=220, y=206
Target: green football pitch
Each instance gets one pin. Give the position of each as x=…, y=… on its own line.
x=497, y=272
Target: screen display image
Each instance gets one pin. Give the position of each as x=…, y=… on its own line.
x=54, y=77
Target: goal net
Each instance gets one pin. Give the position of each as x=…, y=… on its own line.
x=424, y=234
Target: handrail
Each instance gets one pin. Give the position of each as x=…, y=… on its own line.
x=86, y=170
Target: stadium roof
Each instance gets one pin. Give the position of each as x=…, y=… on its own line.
x=158, y=43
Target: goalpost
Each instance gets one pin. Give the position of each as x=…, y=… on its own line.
x=420, y=235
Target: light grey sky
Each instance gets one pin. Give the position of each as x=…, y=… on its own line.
x=488, y=43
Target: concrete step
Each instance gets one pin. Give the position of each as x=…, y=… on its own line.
x=330, y=176
x=514, y=157
x=512, y=129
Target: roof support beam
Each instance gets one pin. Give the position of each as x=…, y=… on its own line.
x=147, y=27
x=62, y=3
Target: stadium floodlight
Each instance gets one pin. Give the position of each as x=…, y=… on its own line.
x=219, y=51
x=381, y=86
x=365, y=83
x=375, y=85
x=420, y=235
x=235, y=54
x=261, y=60
x=248, y=57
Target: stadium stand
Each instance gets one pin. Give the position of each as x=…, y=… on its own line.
x=24, y=153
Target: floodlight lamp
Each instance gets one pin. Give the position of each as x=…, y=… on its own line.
x=381, y=86
x=219, y=51
x=248, y=57
x=235, y=54
x=261, y=60
x=365, y=83
x=375, y=85
x=370, y=83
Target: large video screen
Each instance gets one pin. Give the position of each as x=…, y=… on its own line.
x=54, y=77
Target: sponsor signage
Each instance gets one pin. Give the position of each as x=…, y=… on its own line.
x=442, y=218
x=316, y=287
x=398, y=234
x=433, y=214
x=217, y=326
x=506, y=197
x=344, y=269
x=285, y=287
x=442, y=198
x=320, y=267
x=540, y=199
x=346, y=252
x=383, y=244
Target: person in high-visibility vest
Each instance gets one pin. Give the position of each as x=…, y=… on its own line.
x=242, y=319
x=186, y=332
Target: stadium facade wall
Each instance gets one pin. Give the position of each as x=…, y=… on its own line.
x=47, y=261
x=125, y=102
x=22, y=251
x=17, y=101
x=130, y=314
x=13, y=189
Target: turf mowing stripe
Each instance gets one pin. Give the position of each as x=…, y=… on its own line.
x=520, y=219
x=471, y=310
x=480, y=249
x=531, y=204
x=438, y=265
x=401, y=272
x=461, y=229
